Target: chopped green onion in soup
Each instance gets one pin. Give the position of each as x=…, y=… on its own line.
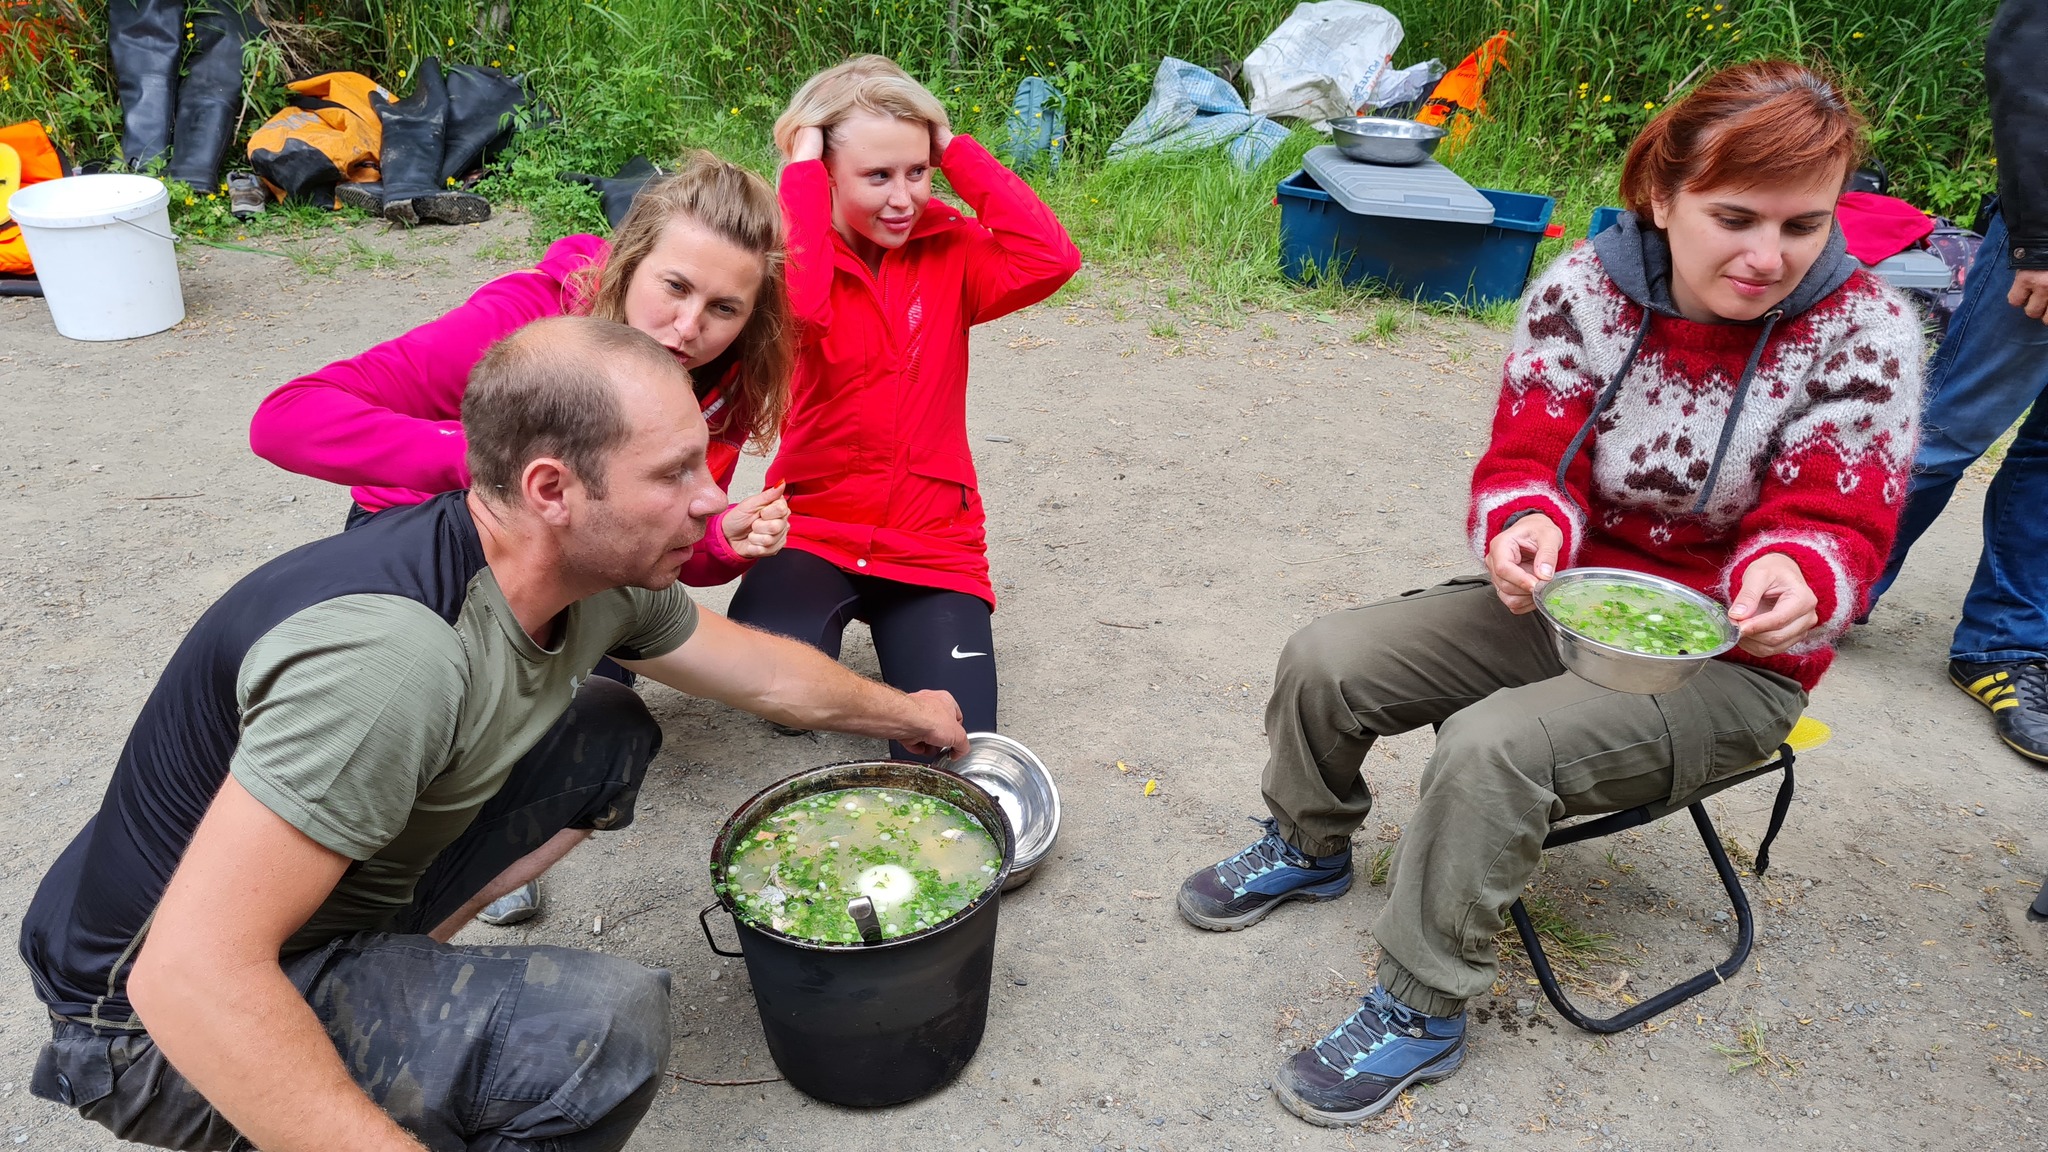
x=1634, y=617
x=919, y=859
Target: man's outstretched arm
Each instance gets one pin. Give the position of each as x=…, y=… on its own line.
x=797, y=685
x=208, y=987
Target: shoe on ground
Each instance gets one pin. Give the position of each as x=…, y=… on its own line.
x=515, y=907
x=363, y=196
x=1239, y=892
x=2017, y=694
x=246, y=195
x=1384, y=1049
x=450, y=207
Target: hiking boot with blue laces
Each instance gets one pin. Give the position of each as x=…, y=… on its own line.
x=1384, y=1049
x=1238, y=892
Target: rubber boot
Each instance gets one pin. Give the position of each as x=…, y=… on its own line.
x=615, y=193
x=143, y=40
x=481, y=102
x=210, y=96
x=415, y=138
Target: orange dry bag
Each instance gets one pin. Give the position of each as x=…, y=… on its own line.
x=330, y=135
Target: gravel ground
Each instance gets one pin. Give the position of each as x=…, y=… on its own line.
x=1167, y=501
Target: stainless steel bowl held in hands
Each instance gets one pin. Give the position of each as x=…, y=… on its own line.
x=1380, y=140
x=1017, y=780
x=1632, y=632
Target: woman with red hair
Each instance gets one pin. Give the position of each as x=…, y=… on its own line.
x=1713, y=392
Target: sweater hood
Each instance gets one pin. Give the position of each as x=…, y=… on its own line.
x=1638, y=260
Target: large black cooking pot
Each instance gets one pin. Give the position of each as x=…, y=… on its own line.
x=870, y=1024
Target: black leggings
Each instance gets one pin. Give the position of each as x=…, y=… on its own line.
x=925, y=637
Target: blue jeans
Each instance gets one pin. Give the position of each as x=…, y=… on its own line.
x=1993, y=365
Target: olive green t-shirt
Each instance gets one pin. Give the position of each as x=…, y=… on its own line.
x=379, y=730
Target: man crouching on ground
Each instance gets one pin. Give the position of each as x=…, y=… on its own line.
x=369, y=738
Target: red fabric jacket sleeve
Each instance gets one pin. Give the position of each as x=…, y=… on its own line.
x=389, y=418
x=1021, y=254
x=806, y=194
x=1542, y=406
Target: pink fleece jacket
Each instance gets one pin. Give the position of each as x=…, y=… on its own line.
x=388, y=421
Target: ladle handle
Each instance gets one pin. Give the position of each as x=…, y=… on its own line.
x=704, y=921
x=862, y=910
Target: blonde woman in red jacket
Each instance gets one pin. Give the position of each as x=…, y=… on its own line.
x=886, y=522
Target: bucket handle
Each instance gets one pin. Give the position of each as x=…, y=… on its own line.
x=140, y=228
x=704, y=921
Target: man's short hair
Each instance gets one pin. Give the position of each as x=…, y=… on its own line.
x=548, y=390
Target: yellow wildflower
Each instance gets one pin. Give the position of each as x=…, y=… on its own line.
x=1855, y=35
x=1606, y=99
x=451, y=41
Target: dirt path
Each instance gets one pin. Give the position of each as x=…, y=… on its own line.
x=1167, y=502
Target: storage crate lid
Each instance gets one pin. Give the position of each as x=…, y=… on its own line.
x=1425, y=191
x=1914, y=268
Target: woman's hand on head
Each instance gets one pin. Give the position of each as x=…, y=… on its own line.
x=1775, y=608
x=942, y=136
x=808, y=145
x=1522, y=557
x=757, y=526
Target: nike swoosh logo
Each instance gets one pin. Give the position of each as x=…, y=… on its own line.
x=959, y=655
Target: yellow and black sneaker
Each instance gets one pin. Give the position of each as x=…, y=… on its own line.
x=2017, y=694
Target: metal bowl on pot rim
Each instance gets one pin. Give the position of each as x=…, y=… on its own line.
x=1381, y=140
x=1017, y=780
x=1619, y=668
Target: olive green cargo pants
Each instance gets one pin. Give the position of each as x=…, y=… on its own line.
x=1521, y=744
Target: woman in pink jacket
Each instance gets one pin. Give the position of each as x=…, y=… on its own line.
x=885, y=282
x=697, y=264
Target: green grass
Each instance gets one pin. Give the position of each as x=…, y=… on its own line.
x=1382, y=861
x=655, y=77
x=1567, y=944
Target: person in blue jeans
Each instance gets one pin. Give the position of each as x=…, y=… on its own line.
x=1989, y=371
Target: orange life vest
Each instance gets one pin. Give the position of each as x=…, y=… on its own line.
x=38, y=160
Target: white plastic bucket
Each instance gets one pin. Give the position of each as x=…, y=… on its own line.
x=102, y=247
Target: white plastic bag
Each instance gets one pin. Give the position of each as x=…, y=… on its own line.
x=1323, y=61
x=1399, y=86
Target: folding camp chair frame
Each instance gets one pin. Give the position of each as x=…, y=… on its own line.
x=1745, y=923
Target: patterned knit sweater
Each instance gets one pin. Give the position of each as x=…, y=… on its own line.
x=1815, y=466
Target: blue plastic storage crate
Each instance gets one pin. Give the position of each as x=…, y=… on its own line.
x=1433, y=261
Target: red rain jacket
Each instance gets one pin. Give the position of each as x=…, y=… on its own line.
x=881, y=480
